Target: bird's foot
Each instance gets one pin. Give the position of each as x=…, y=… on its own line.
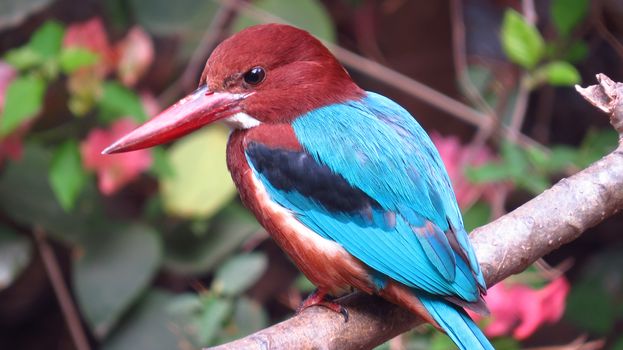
x=319, y=297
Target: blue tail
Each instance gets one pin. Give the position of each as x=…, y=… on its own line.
x=457, y=324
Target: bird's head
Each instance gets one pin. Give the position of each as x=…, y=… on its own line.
x=266, y=74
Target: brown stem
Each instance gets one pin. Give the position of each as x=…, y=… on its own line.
x=70, y=313
x=504, y=247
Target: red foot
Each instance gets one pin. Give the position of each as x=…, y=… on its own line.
x=318, y=297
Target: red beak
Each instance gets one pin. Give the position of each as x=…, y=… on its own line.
x=200, y=108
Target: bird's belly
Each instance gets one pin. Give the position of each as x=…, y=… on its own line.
x=325, y=263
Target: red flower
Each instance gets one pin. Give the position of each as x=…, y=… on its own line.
x=520, y=310
x=11, y=145
x=92, y=35
x=135, y=53
x=456, y=157
x=113, y=171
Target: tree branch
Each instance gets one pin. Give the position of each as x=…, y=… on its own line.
x=504, y=247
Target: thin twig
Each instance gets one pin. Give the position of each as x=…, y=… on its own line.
x=70, y=313
x=460, y=59
x=217, y=28
x=604, y=33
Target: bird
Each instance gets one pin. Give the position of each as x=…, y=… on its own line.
x=345, y=180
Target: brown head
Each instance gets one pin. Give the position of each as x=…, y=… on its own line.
x=269, y=73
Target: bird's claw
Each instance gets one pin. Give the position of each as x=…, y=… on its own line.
x=319, y=298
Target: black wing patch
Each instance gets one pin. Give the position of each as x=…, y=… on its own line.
x=298, y=171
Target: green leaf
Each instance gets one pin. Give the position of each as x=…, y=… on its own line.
x=561, y=157
x=590, y=307
x=567, y=14
x=161, y=167
x=577, y=52
x=23, y=58
x=618, y=344
x=306, y=14
x=15, y=254
x=186, y=18
x=595, y=145
x=47, y=40
x=514, y=158
x=23, y=101
x=201, y=184
x=74, y=58
x=189, y=253
x=26, y=197
x=535, y=183
x=249, y=316
x=477, y=215
x=118, y=101
x=239, y=273
x=147, y=326
x=521, y=41
x=117, y=265
x=67, y=177
x=490, y=172
x=560, y=73
x=210, y=321
x=303, y=284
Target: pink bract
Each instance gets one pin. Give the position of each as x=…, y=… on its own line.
x=117, y=170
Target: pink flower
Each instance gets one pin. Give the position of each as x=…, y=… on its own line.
x=11, y=145
x=520, y=310
x=113, y=171
x=92, y=35
x=456, y=157
x=135, y=53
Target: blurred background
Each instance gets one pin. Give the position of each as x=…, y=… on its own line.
x=153, y=250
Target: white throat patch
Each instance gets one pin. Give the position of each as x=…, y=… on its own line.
x=241, y=120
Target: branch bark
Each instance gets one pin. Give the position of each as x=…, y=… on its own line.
x=504, y=247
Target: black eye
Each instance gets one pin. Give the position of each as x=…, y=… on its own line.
x=254, y=76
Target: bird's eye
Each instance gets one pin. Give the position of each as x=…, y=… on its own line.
x=254, y=76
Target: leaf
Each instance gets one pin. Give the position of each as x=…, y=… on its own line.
x=117, y=265
x=490, y=172
x=521, y=41
x=201, y=184
x=147, y=326
x=26, y=197
x=67, y=177
x=567, y=14
x=23, y=101
x=535, y=183
x=23, y=58
x=15, y=254
x=189, y=253
x=514, y=159
x=211, y=319
x=239, y=273
x=305, y=14
x=13, y=12
x=303, y=284
x=560, y=73
x=477, y=215
x=577, y=52
x=249, y=316
x=47, y=40
x=187, y=17
x=74, y=58
x=590, y=308
x=118, y=101
x=561, y=157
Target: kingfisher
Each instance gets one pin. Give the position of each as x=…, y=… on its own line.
x=345, y=180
